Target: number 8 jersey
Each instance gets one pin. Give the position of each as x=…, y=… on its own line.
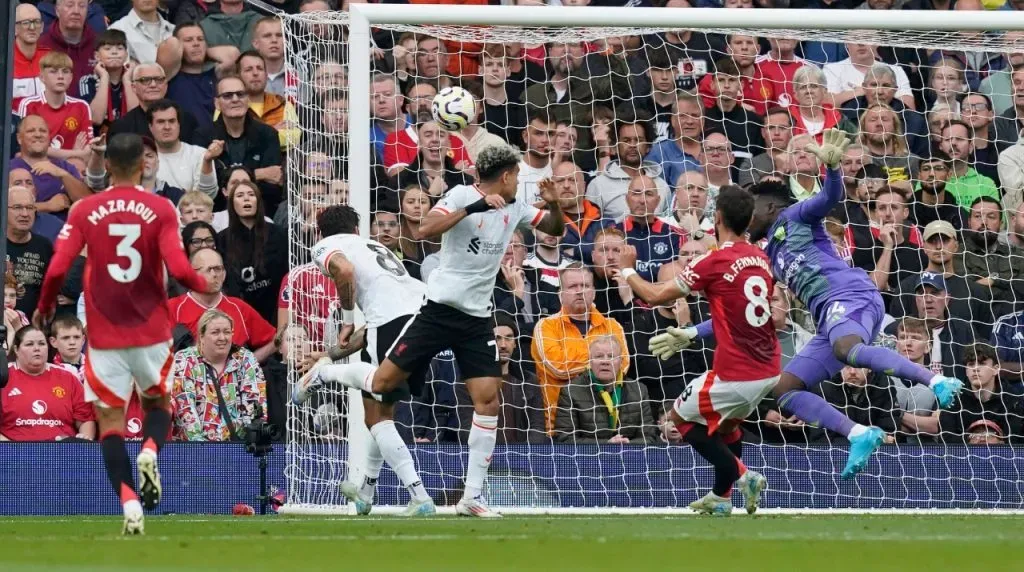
x=737, y=280
x=384, y=290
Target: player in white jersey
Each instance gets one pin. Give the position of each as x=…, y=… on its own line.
x=476, y=224
x=366, y=273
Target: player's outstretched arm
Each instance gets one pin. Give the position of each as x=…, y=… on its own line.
x=830, y=153
x=654, y=294
x=443, y=217
x=69, y=244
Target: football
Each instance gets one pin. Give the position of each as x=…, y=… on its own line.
x=454, y=108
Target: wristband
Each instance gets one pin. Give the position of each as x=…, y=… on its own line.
x=348, y=316
x=627, y=272
x=478, y=207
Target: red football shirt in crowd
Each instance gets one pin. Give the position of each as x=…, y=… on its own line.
x=42, y=407
x=311, y=297
x=738, y=283
x=758, y=92
x=250, y=329
x=779, y=76
x=26, y=75
x=131, y=235
x=65, y=122
x=401, y=148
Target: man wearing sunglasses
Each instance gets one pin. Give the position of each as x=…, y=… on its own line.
x=149, y=82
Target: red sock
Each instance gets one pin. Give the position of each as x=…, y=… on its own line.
x=742, y=467
x=150, y=445
x=127, y=494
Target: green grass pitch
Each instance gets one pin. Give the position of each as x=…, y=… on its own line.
x=627, y=543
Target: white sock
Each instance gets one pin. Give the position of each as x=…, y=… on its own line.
x=858, y=429
x=482, y=437
x=132, y=507
x=371, y=470
x=355, y=375
x=399, y=458
x=935, y=378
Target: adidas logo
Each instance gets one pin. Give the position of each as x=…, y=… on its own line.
x=14, y=392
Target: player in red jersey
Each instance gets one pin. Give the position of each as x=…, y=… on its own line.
x=737, y=280
x=131, y=235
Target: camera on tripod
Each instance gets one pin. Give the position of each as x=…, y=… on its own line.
x=259, y=435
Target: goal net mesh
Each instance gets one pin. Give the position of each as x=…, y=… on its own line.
x=692, y=110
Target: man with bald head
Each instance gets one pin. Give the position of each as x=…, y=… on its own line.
x=583, y=220
x=28, y=27
x=656, y=242
x=149, y=81
x=57, y=183
x=46, y=224
x=72, y=35
x=28, y=253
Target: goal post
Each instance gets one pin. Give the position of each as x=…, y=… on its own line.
x=531, y=477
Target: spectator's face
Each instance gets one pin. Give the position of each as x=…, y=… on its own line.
x=879, y=125
x=387, y=101
x=149, y=83
x=505, y=338
x=433, y=142
x=21, y=178
x=663, y=80
x=576, y=292
x=912, y=345
x=430, y=58
x=777, y=131
x=33, y=136
x=890, y=208
x=879, y=88
x=690, y=250
x=570, y=184
x=317, y=30
x=1017, y=79
x=975, y=111
x=605, y=361
x=689, y=120
x=853, y=161
x=31, y=354
x=985, y=217
x=254, y=75
x=319, y=166
x=1017, y=222
x=337, y=193
x=495, y=71
x=982, y=375
x=632, y=144
x=940, y=250
x=607, y=250
x=545, y=239
x=691, y=194
x=565, y=138
x=71, y=14
x=336, y=117
x=21, y=210
x=201, y=238
x=809, y=94
x=144, y=6
x=415, y=204
x=330, y=75
x=245, y=202
x=193, y=212
x=31, y=26
x=855, y=376
x=193, y=43
x=10, y=297
x=782, y=46
x=232, y=98
x=642, y=197
x=931, y=303
x=780, y=307
x=728, y=86
x=738, y=4
x=215, y=340
x=984, y=436
x=150, y=163
x=165, y=127
x=956, y=142
x=68, y=342
x=743, y=50
x=295, y=339
x=388, y=229
x=269, y=41
x=56, y=80
x=558, y=59
x=801, y=160
x=515, y=252
x=112, y=56
x=210, y=266
x=420, y=98
x=947, y=80
x=933, y=175
x=236, y=177
x=717, y=152
x=538, y=137
x=860, y=52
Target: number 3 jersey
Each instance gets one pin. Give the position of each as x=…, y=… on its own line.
x=737, y=280
x=384, y=290
x=131, y=235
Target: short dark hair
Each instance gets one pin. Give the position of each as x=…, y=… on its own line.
x=541, y=114
x=966, y=94
x=65, y=322
x=338, y=219
x=986, y=199
x=248, y=54
x=726, y=66
x=980, y=353
x=773, y=190
x=124, y=154
x=950, y=123
x=737, y=206
x=502, y=318
x=186, y=25
x=111, y=37
x=934, y=155
x=658, y=58
x=777, y=110
x=629, y=117
x=162, y=105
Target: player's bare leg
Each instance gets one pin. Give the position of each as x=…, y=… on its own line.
x=482, y=437
x=385, y=444
x=119, y=468
x=155, y=426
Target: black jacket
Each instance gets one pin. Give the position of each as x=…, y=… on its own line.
x=260, y=147
x=259, y=287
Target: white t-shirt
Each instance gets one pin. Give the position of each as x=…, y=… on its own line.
x=184, y=169
x=471, y=251
x=844, y=76
x=384, y=290
x=528, y=178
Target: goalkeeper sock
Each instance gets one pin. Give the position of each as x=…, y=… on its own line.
x=482, y=437
x=155, y=426
x=888, y=362
x=712, y=448
x=371, y=470
x=814, y=410
x=119, y=469
x=397, y=454
x=355, y=375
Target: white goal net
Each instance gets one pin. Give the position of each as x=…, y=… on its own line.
x=933, y=215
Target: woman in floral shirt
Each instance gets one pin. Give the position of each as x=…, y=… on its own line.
x=214, y=363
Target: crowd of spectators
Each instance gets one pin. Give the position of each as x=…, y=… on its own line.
x=638, y=133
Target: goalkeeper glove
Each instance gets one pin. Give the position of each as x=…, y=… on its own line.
x=833, y=144
x=673, y=340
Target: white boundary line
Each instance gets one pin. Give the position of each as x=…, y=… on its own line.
x=345, y=510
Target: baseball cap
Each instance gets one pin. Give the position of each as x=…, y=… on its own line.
x=938, y=227
x=932, y=279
